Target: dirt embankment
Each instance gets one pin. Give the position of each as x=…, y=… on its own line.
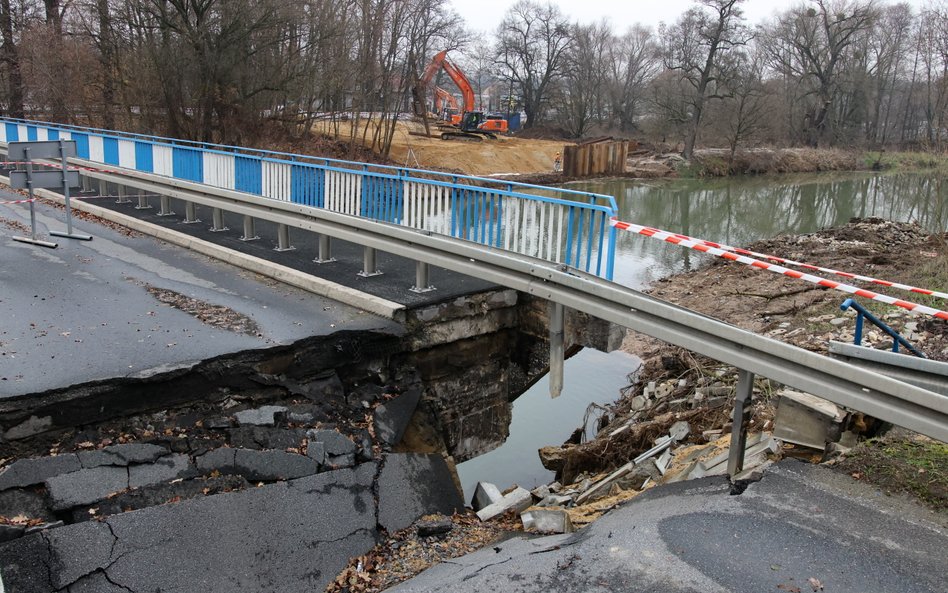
x=507, y=155
x=808, y=316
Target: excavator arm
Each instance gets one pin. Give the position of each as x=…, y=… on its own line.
x=441, y=97
x=467, y=92
x=420, y=90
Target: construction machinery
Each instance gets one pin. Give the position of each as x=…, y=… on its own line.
x=464, y=125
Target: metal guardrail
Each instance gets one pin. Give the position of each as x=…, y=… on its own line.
x=559, y=225
x=880, y=396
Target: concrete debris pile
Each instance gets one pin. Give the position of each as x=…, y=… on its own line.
x=555, y=508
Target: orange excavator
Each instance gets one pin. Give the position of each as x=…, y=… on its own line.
x=466, y=125
x=445, y=102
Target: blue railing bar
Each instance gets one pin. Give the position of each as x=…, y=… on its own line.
x=569, y=237
x=232, y=150
x=896, y=336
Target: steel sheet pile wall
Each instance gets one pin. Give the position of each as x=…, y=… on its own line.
x=597, y=158
x=562, y=226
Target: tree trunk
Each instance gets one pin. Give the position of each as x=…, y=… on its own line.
x=107, y=59
x=12, y=59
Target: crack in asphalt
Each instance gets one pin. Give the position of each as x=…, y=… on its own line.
x=48, y=560
x=485, y=567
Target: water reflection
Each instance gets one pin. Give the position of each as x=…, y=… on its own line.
x=738, y=211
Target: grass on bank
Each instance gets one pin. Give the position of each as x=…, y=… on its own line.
x=759, y=161
x=916, y=466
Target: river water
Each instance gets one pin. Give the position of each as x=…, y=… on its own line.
x=735, y=211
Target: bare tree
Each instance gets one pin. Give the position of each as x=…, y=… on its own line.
x=811, y=44
x=633, y=60
x=531, y=43
x=693, y=46
x=582, y=100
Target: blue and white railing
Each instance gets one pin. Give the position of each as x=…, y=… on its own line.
x=560, y=225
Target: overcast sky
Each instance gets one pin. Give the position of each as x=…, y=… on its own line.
x=484, y=15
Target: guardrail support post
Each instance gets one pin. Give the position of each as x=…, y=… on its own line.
x=422, y=278
x=103, y=188
x=283, y=238
x=557, y=348
x=369, y=266
x=122, y=198
x=142, y=201
x=217, y=218
x=165, y=207
x=249, y=231
x=190, y=213
x=325, y=250
x=742, y=411
x=86, y=185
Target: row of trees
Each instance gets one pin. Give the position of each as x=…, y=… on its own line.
x=824, y=72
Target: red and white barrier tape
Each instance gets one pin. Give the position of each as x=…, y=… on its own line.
x=698, y=245
x=19, y=201
x=815, y=268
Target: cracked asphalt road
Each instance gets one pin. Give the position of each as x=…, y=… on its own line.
x=800, y=522
x=87, y=310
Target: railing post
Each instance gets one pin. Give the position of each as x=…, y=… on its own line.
x=369, y=266
x=103, y=188
x=742, y=411
x=122, y=198
x=422, y=278
x=190, y=213
x=217, y=221
x=86, y=185
x=557, y=348
x=250, y=233
x=283, y=238
x=325, y=250
x=165, y=209
x=142, y=201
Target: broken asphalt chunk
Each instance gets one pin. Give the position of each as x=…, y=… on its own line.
x=27, y=472
x=85, y=486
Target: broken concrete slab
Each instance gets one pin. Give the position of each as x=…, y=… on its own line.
x=27, y=472
x=392, y=418
x=341, y=461
x=85, y=486
x=485, y=494
x=122, y=455
x=333, y=442
x=272, y=465
x=316, y=452
x=262, y=416
x=411, y=485
x=555, y=500
x=163, y=470
x=517, y=500
x=804, y=419
x=219, y=460
x=547, y=521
